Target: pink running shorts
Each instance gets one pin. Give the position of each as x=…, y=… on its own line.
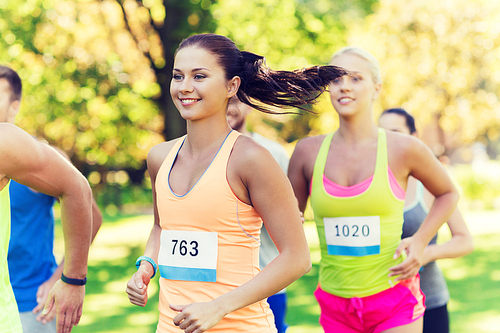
x=396, y=306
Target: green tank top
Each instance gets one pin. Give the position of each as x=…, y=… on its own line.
x=359, y=234
x=9, y=316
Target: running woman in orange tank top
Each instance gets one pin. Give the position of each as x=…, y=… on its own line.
x=212, y=190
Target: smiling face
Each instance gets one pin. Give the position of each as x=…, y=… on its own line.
x=199, y=87
x=357, y=91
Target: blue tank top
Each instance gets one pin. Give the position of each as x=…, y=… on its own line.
x=432, y=281
x=30, y=257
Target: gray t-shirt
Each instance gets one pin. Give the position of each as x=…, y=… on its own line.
x=432, y=281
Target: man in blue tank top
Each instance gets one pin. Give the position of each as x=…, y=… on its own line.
x=32, y=266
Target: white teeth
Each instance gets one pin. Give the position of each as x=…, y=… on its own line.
x=345, y=99
x=187, y=101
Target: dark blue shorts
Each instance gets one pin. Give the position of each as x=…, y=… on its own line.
x=277, y=303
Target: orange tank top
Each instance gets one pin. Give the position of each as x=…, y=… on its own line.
x=209, y=245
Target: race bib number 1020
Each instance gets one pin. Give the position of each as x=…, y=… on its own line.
x=188, y=255
x=352, y=236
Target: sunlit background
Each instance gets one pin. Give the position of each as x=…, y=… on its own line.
x=96, y=80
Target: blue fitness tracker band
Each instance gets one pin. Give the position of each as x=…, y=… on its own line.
x=148, y=259
x=75, y=282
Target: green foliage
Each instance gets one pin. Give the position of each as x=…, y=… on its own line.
x=479, y=184
x=119, y=199
x=86, y=86
x=440, y=61
x=96, y=73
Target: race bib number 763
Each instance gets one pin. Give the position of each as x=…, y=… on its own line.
x=188, y=255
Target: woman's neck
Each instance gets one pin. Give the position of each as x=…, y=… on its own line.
x=204, y=135
x=357, y=129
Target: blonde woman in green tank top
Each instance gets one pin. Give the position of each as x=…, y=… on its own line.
x=353, y=154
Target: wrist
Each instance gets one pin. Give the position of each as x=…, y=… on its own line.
x=73, y=281
x=429, y=254
x=222, y=305
x=148, y=268
x=418, y=243
x=140, y=263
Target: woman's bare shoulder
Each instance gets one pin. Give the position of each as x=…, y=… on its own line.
x=159, y=152
x=247, y=150
x=403, y=144
x=307, y=148
x=311, y=141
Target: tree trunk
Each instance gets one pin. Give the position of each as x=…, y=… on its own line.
x=176, y=13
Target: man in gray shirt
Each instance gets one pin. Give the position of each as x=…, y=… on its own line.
x=236, y=117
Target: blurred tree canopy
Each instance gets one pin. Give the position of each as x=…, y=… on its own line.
x=96, y=74
x=440, y=61
x=87, y=88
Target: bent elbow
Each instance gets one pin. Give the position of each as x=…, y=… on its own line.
x=78, y=186
x=466, y=244
x=306, y=265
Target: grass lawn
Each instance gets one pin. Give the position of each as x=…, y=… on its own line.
x=474, y=283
